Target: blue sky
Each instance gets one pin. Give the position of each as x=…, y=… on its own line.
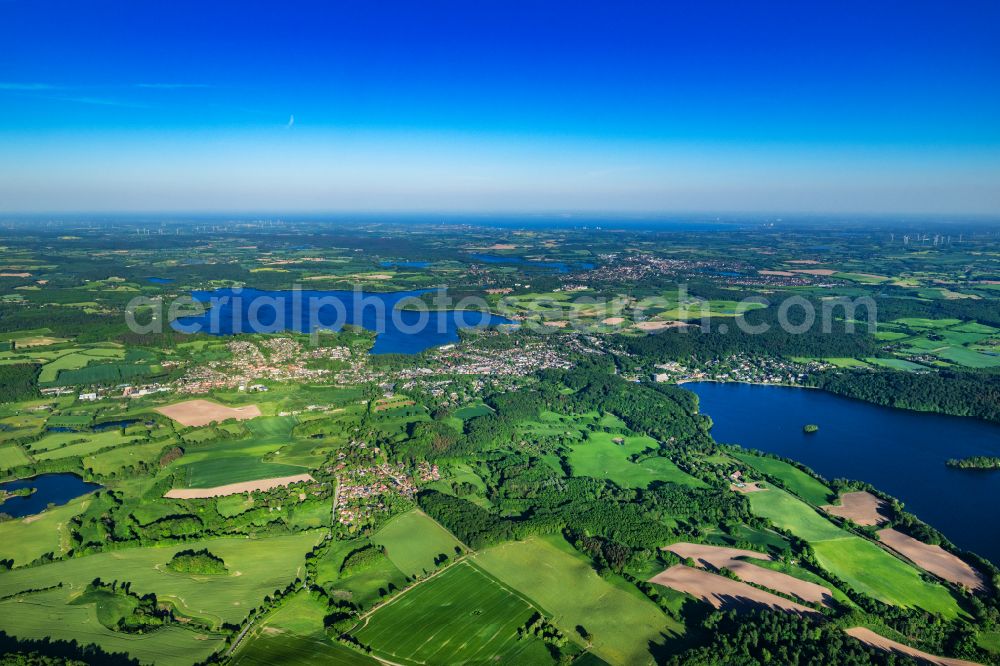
x=508, y=106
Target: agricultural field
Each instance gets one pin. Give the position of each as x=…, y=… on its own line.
x=461, y=615
x=724, y=592
x=203, y=412
x=27, y=539
x=952, y=341
x=65, y=444
x=504, y=495
x=48, y=615
x=364, y=587
x=413, y=541
x=12, y=456
x=257, y=568
x=294, y=633
x=76, y=359
x=235, y=461
x=547, y=570
x=861, y=563
x=802, y=484
x=110, y=462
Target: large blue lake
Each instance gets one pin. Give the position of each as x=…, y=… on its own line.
x=49, y=489
x=398, y=330
x=898, y=451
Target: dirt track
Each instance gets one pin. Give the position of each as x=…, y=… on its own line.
x=724, y=592
x=236, y=488
x=203, y=412
x=734, y=559
x=862, y=507
x=935, y=559
x=869, y=637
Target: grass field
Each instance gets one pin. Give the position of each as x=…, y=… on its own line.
x=413, y=540
x=92, y=443
x=861, y=563
x=290, y=648
x=257, y=568
x=601, y=457
x=294, y=634
x=241, y=460
x=871, y=570
x=800, y=483
x=770, y=541
x=548, y=572
x=123, y=456
x=461, y=616
x=75, y=359
x=234, y=469
x=969, y=357
x=895, y=364
x=791, y=514
x=363, y=588
x=12, y=456
x=47, y=615
x=919, y=323
x=25, y=541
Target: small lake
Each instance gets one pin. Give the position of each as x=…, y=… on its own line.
x=900, y=452
x=398, y=330
x=55, y=489
x=159, y=280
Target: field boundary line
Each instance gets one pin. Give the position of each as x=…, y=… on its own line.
x=391, y=601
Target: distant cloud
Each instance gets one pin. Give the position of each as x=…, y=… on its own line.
x=291, y=121
x=171, y=86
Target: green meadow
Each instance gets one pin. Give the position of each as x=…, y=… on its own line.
x=250, y=459
x=25, y=540
x=363, y=588
x=795, y=480
x=413, y=540
x=257, y=568
x=463, y=615
x=858, y=561
x=547, y=570
x=48, y=615
x=12, y=456
x=107, y=462
x=600, y=456
x=294, y=634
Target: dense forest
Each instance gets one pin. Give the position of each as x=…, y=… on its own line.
x=724, y=338
x=763, y=638
x=960, y=393
x=18, y=381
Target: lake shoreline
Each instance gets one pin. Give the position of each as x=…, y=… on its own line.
x=900, y=452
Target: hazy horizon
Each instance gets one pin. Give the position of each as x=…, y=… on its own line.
x=452, y=107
